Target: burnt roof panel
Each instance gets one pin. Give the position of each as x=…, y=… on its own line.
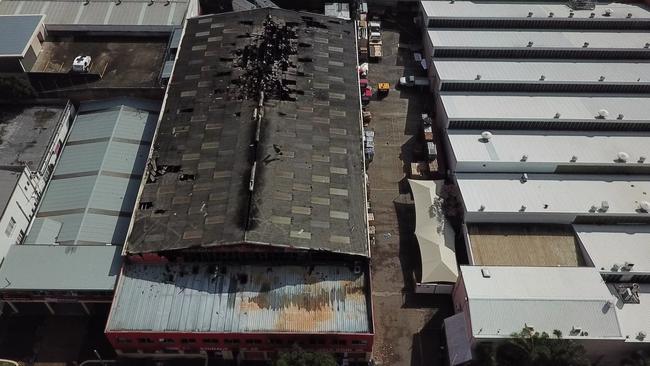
x=306, y=156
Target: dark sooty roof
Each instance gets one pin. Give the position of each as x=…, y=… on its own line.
x=303, y=147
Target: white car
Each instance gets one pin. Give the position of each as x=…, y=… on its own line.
x=81, y=64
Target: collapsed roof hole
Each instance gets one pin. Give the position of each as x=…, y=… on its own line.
x=246, y=22
x=305, y=59
x=304, y=45
x=184, y=177
x=146, y=205
x=314, y=24
x=187, y=110
x=171, y=168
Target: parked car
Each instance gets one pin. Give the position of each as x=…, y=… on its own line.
x=81, y=64
x=411, y=81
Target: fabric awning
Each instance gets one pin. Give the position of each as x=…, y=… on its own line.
x=434, y=234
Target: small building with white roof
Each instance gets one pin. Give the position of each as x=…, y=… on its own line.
x=541, y=76
x=532, y=151
x=542, y=112
x=554, y=198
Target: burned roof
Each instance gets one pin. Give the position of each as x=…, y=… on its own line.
x=260, y=141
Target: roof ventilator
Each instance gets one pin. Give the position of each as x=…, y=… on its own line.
x=551, y=14
x=542, y=78
x=641, y=159
x=530, y=14
x=524, y=158
x=608, y=12
x=629, y=293
x=557, y=115
x=574, y=159
x=150, y=3
x=620, y=116
x=647, y=45
x=485, y=273
x=627, y=267
x=530, y=44
x=602, y=114
x=118, y=2
x=592, y=15
x=604, y=206
x=524, y=178
x=485, y=136
x=523, y=208
x=602, y=78
x=571, y=14
x=644, y=206
x=482, y=208
x=629, y=15
x=585, y=45
x=478, y=77
x=622, y=157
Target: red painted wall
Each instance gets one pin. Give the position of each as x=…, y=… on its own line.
x=150, y=342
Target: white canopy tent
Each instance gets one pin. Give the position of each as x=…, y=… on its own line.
x=434, y=234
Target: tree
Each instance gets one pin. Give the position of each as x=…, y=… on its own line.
x=530, y=348
x=300, y=357
x=639, y=358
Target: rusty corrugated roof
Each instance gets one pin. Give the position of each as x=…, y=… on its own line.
x=219, y=298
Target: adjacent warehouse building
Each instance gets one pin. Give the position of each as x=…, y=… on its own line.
x=542, y=108
x=31, y=140
x=75, y=240
x=112, y=16
x=251, y=232
x=20, y=41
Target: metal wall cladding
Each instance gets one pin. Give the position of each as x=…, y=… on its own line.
x=240, y=299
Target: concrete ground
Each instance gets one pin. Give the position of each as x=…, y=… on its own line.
x=407, y=326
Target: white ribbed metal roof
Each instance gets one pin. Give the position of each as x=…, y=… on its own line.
x=544, y=107
x=545, y=298
x=508, y=39
x=218, y=298
x=532, y=71
x=554, y=193
x=554, y=147
x=503, y=9
x=616, y=244
x=101, y=12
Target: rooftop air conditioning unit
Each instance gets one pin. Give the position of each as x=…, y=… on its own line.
x=620, y=116
x=647, y=45
x=557, y=115
x=629, y=15
x=641, y=336
x=482, y=208
x=575, y=331
x=603, y=113
x=486, y=136
x=604, y=206
x=485, y=273
x=615, y=267
x=530, y=44
x=642, y=159
x=608, y=12
x=574, y=159
x=623, y=156
x=530, y=14
x=542, y=78
x=524, y=158
x=627, y=267
x=523, y=208
x=551, y=14
x=601, y=78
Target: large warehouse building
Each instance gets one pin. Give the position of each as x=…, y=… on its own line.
x=543, y=109
x=251, y=232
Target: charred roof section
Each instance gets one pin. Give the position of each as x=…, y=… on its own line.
x=260, y=140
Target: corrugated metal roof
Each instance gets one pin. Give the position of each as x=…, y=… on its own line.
x=494, y=9
x=546, y=147
x=553, y=194
x=101, y=12
x=500, y=39
x=546, y=298
x=16, y=32
x=544, y=107
x=94, y=186
x=465, y=70
x=616, y=244
x=78, y=268
x=240, y=299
